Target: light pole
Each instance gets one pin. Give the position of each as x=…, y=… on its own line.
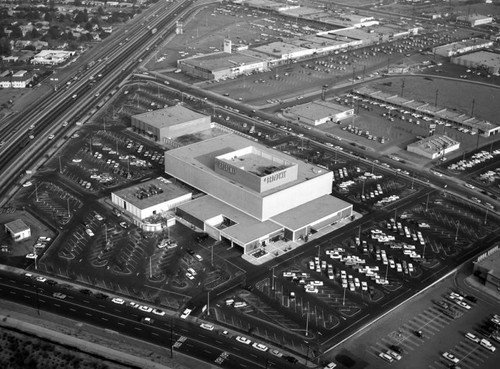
x=208, y=303
x=458, y=226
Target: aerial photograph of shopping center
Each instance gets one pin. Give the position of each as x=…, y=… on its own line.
x=250, y=184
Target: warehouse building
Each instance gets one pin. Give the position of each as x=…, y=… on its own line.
x=440, y=115
x=163, y=125
x=487, y=60
x=433, y=147
x=150, y=198
x=253, y=194
x=474, y=20
x=319, y=112
x=462, y=47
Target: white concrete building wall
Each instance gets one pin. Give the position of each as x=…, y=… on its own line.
x=297, y=195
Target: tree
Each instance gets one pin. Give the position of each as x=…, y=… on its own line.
x=16, y=32
x=5, y=46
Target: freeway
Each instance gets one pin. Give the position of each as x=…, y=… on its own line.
x=165, y=331
x=122, y=57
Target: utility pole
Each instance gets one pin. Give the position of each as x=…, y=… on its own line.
x=436, y=98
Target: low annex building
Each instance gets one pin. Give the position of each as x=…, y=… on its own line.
x=18, y=230
x=253, y=194
x=487, y=268
x=319, y=112
x=163, y=125
x=433, y=147
x=150, y=198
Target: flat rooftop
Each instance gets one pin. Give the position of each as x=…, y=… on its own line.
x=279, y=49
x=492, y=263
x=318, y=109
x=222, y=60
x=17, y=226
x=255, y=164
x=311, y=211
x=150, y=193
x=464, y=44
x=169, y=117
x=203, y=154
x=246, y=228
x=434, y=144
x=485, y=58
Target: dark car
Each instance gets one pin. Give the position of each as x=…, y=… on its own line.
x=101, y=296
x=397, y=349
x=190, y=252
x=419, y=334
x=291, y=359
x=86, y=292
x=471, y=298
x=51, y=282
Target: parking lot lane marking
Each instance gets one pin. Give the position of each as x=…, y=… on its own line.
x=120, y=323
x=88, y=314
x=137, y=328
x=105, y=319
x=72, y=309
x=207, y=351
x=27, y=297
x=155, y=334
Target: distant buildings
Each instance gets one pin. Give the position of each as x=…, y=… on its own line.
x=427, y=111
x=19, y=79
x=474, y=20
x=52, y=57
x=462, y=47
x=433, y=147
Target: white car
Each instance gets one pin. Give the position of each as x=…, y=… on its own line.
x=191, y=270
x=31, y=256
x=158, y=312
x=208, y=327
x=145, y=308
x=185, y=313
x=99, y=217
x=244, y=340
x=386, y=357
x=89, y=232
x=41, y=279
x=198, y=257
x=190, y=276
x=27, y=184
x=59, y=295
x=65, y=123
x=51, y=137
x=472, y=337
x=451, y=357
x=118, y=300
x=463, y=304
x=330, y=366
x=260, y=347
x=487, y=344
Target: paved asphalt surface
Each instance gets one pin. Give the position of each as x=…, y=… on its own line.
x=200, y=343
